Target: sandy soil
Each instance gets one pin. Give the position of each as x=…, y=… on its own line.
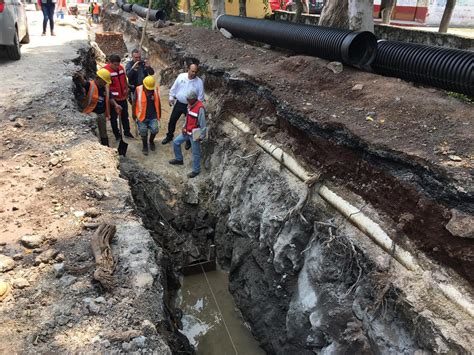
x=404, y=148
x=55, y=180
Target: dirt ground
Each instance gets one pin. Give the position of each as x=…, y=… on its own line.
x=406, y=149
x=57, y=183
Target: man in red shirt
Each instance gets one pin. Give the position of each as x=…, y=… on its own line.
x=119, y=92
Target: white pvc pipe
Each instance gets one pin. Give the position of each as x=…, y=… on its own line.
x=353, y=214
x=368, y=227
x=357, y=218
x=454, y=295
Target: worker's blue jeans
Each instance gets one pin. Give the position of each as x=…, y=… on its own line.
x=195, y=148
x=146, y=124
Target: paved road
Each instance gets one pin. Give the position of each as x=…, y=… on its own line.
x=44, y=62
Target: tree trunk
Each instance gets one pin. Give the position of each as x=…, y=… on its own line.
x=360, y=13
x=335, y=14
x=217, y=9
x=448, y=11
x=243, y=8
x=189, y=14
x=386, y=10
x=301, y=8
x=174, y=9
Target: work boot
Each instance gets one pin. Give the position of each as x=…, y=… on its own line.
x=152, y=142
x=176, y=162
x=193, y=174
x=104, y=141
x=166, y=140
x=129, y=135
x=145, y=145
x=187, y=145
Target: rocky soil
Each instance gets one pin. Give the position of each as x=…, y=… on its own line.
x=311, y=282
x=407, y=150
x=57, y=184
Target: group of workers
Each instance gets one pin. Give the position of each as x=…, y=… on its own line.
x=114, y=86
x=95, y=11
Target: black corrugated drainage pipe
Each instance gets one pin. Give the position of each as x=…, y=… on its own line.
x=155, y=15
x=353, y=48
x=450, y=69
x=127, y=7
x=119, y=3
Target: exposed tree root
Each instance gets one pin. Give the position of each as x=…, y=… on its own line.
x=105, y=263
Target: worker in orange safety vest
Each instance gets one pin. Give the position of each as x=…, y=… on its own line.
x=97, y=99
x=147, y=110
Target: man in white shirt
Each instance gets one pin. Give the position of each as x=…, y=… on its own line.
x=183, y=84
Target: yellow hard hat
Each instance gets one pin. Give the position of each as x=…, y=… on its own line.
x=104, y=74
x=149, y=83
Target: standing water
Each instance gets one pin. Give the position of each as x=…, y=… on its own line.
x=202, y=322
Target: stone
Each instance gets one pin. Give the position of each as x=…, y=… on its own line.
x=335, y=67
x=59, y=269
x=17, y=257
x=91, y=306
x=67, y=280
x=92, y=212
x=192, y=194
x=143, y=280
x=454, y=157
x=226, y=33
x=47, y=256
x=62, y=320
x=139, y=342
x=159, y=24
x=18, y=125
x=357, y=87
x=105, y=343
x=4, y=290
x=31, y=241
x=269, y=121
x=20, y=283
x=6, y=263
x=55, y=161
x=126, y=346
x=79, y=214
x=148, y=327
x=100, y=300
x=461, y=224
x=12, y=118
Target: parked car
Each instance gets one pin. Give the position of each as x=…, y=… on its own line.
x=13, y=27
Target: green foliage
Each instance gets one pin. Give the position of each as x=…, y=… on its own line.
x=461, y=97
x=201, y=6
x=203, y=22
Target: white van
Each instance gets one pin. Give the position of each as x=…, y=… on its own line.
x=13, y=27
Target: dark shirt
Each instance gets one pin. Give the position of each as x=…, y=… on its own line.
x=150, y=107
x=135, y=77
x=100, y=107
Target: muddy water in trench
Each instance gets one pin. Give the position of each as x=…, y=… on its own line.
x=202, y=322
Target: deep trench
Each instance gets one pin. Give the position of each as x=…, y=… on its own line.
x=304, y=288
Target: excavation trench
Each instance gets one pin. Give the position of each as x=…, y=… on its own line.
x=304, y=279
x=304, y=282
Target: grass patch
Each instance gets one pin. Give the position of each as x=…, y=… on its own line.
x=203, y=22
x=461, y=97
